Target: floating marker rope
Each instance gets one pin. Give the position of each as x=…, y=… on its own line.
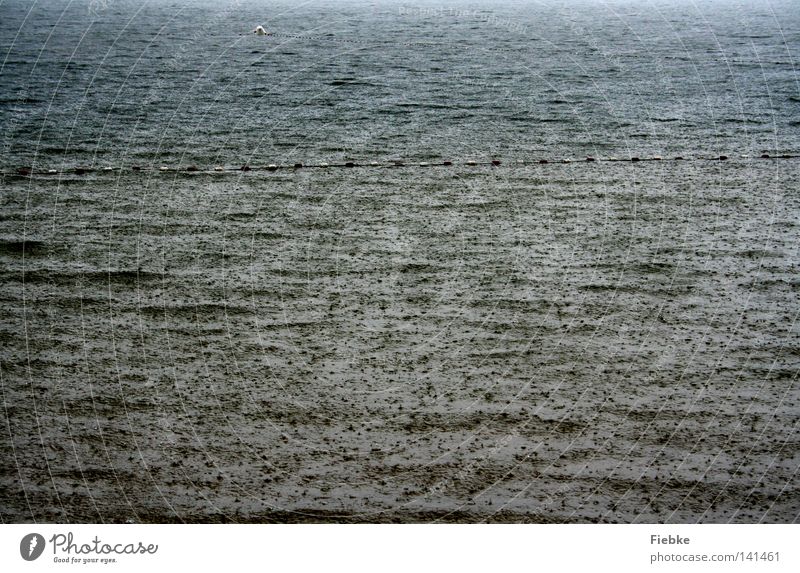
x=395, y=163
x=342, y=40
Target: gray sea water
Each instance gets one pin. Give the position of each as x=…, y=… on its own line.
x=524, y=342
x=117, y=82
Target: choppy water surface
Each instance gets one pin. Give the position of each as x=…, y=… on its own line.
x=605, y=341
x=119, y=82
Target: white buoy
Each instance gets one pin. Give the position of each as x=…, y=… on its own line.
x=260, y=31
x=219, y=168
x=163, y=168
x=323, y=165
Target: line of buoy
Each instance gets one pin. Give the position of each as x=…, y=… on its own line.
x=83, y=170
x=345, y=40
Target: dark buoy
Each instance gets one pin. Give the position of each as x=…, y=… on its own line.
x=765, y=156
x=136, y=168
x=447, y=163
x=634, y=159
x=245, y=167
x=298, y=165
x=679, y=158
x=192, y=168
x=589, y=159
x=80, y=171
x=272, y=167
x=349, y=164
x=543, y=161
x=24, y=171
x=495, y=162
x=723, y=157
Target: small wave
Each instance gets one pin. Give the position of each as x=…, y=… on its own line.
x=53, y=276
x=193, y=308
x=20, y=101
x=738, y=120
x=15, y=247
x=424, y=105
